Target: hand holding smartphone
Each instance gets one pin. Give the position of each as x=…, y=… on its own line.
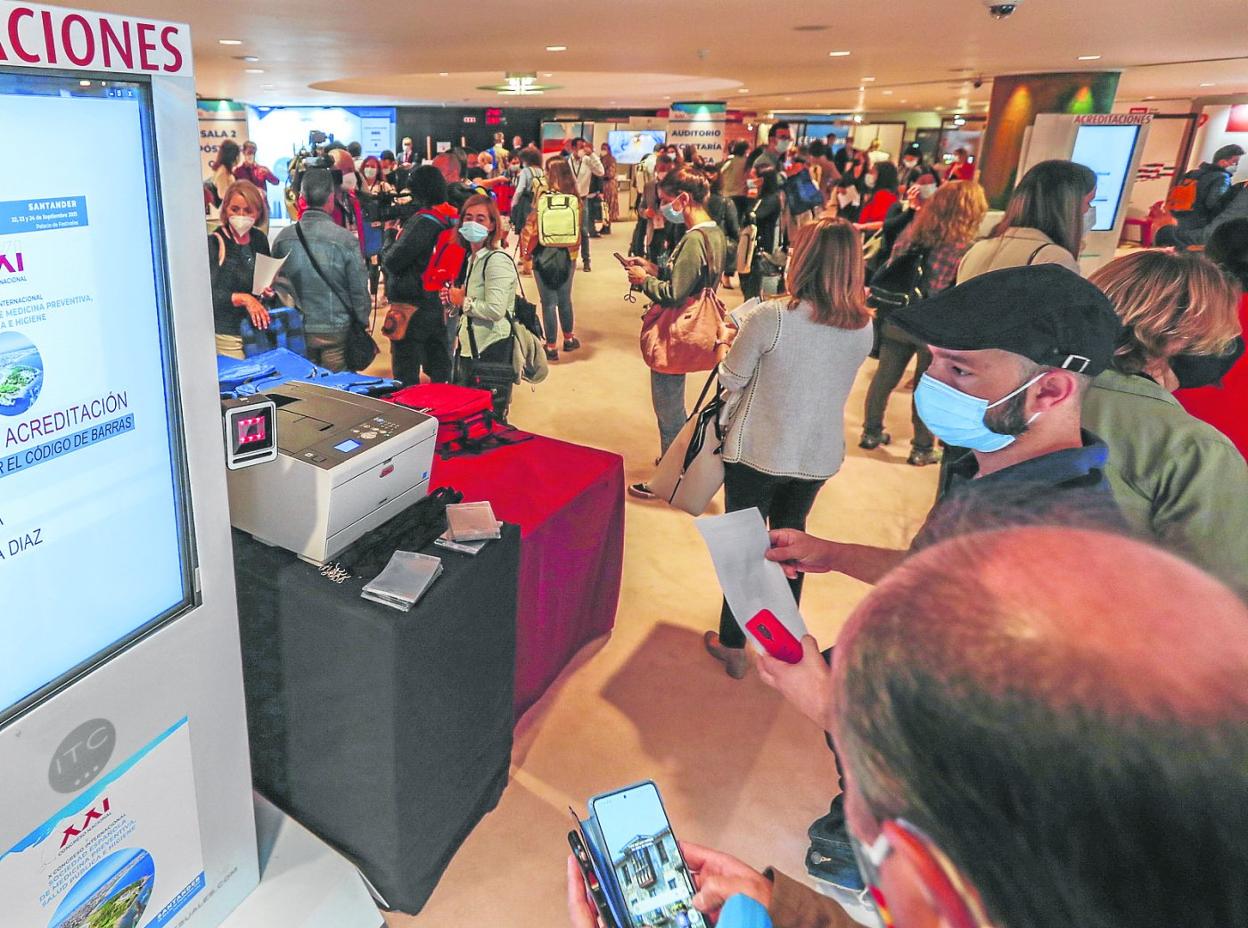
x=776, y=640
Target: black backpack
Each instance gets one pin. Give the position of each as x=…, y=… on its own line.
x=900, y=282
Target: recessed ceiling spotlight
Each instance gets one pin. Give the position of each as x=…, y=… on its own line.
x=888, y=93
x=444, y=74
x=230, y=41
x=556, y=48
x=548, y=74
x=839, y=54
x=866, y=80
x=1089, y=58
x=743, y=90
x=903, y=101
x=1208, y=84
x=254, y=70
x=1150, y=98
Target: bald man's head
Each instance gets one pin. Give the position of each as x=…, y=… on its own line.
x=1066, y=714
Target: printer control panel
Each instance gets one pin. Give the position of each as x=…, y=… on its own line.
x=343, y=446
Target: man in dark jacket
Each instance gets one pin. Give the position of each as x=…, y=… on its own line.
x=424, y=343
x=1213, y=181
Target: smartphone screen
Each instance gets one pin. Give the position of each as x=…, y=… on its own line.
x=649, y=868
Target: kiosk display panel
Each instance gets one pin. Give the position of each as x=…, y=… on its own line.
x=96, y=545
x=1108, y=150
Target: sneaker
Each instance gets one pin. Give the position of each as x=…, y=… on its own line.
x=586, y=264
x=551, y=353
x=571, y=344
x=736, y=662
x=921, y=457
x=606, y=230
x=872, y=440
x=641, y=491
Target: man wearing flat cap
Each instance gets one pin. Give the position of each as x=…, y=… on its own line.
x=1013, y=353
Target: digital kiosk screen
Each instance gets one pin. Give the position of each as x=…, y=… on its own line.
x=1107, y=150
x=631, y=146
x=95, y=539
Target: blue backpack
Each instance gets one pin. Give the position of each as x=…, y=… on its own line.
x=802, y=194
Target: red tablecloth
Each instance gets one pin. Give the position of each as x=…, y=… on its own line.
x=569, y=503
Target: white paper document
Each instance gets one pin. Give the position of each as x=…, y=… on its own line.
x=265, y=273
x=738, y=542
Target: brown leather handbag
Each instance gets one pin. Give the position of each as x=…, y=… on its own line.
x=683, y=339
x=398, y=317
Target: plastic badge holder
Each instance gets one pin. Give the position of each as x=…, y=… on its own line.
x=404, y=581
x=472, y=521
x=463, y=547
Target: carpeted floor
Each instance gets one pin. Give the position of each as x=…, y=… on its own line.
x=739, y=770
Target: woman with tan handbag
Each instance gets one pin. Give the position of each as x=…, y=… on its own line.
x=680, y=331
x=788, y=375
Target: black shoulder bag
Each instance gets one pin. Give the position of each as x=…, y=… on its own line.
x=361, y=349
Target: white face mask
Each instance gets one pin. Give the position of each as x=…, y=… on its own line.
x=927, y=191
x=869, y=181
x=242, y=224
x=1089, y=220
x=370, y=173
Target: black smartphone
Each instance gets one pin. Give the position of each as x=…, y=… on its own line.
x=649, y=869
x=619, y=257
x=581, y=853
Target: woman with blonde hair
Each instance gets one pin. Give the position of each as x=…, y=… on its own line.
x=1175, y=478
x=939, y=236
x=232, y=250
x=788, y=376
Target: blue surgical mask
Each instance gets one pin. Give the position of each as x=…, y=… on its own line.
x=957, y=418
x=671, y=214
x=474, y=232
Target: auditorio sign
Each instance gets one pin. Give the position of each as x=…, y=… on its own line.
x=701, y=125
x=36, y=36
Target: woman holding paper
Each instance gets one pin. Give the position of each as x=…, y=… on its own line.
x=788, y=375
x=232, y=250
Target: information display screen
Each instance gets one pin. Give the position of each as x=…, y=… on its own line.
x=1107, y=150
x=95, y=537
x=631, y=146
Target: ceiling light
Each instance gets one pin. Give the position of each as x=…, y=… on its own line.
x=1089, y=58
x=888, y=93
x=1208, y=84
x=250, y=59
x=838, y=54
x=866, y=80
x=519, y=84
x=861, y=87
x=444, y=74
x=743, y=90
x=1150, y=98
x=556, y=48
x=939, y=108
x=230, y=41
x=255, y=70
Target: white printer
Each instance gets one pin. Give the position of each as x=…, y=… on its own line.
x=345, y=465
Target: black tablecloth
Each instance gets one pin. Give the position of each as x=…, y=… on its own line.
x=386, y=733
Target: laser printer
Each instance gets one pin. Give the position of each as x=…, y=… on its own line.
x=345, y=464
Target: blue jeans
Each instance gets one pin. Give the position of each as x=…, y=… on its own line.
x=587, y=226
x=556, y=301
x=667, y=392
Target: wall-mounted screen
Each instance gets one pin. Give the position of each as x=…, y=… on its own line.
x=1107, y=150
x=95, y=537
x=630, y=146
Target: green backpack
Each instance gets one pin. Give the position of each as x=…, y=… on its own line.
x=558, y=220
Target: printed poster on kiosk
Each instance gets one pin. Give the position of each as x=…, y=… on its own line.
x=94, y=516
x=125, y=853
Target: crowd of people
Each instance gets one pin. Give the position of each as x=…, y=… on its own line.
x=1040, y=712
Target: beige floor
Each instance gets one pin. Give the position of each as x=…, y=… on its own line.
x=738, y=768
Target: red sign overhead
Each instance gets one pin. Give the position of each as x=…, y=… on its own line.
x=34, y=36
